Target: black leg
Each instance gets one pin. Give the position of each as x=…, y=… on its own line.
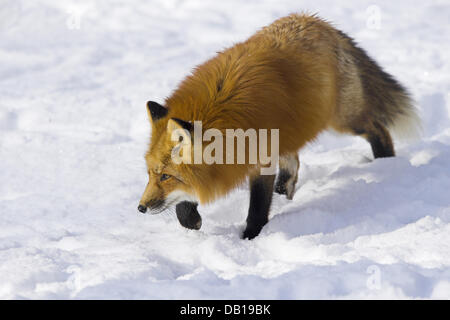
x=188, y=215
x=288, y=175
x=282, y=179
x=261, y=188
x=381, y=142
x=379, y=138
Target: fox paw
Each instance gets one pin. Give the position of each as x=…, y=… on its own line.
x=286, y=188
x=188, y=215
x=251, y=233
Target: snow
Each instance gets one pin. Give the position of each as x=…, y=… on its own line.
x=74, y=79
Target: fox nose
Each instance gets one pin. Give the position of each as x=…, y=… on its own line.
x=142, y=208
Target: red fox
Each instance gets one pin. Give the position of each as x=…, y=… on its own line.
x=299, y=75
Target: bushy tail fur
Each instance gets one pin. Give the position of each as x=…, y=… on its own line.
x=389, y=102
x=406, y=124
x=373, y=102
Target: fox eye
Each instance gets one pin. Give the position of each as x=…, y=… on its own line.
x=164, y=177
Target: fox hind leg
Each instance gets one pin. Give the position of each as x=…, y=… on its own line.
x=288, y=175
x=381, y=142
x=379, y=138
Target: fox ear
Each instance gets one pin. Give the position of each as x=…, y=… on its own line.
x=156, y=111
x=179, y=128
x=180, y=124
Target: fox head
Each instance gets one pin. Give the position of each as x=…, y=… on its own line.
x=168, y=182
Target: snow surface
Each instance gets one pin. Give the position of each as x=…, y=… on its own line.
x=74, y=79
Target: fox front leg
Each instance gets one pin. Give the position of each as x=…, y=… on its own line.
x=188, y=215
x=261, y=189
x=288, y=175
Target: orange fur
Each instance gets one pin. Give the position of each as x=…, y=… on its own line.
x=284, y=77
